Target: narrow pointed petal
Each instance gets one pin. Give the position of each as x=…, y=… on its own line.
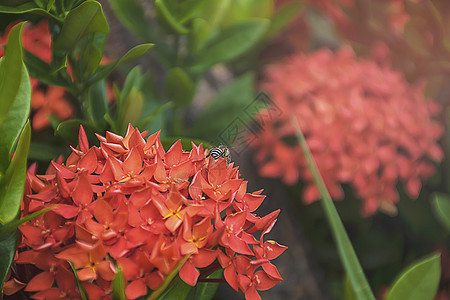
x=82, y=140
x=189, y=274
x=136, y=289
x=82, y=193
x=40, y=282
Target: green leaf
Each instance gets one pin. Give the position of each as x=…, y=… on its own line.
x=10, y=74
x=216, y=11
x=205, y=290
x=80, y=286
x=13, y=181
x=87, y=18
x=15, y=94
x=50, y=4
x=8, y=246
x=177, y=289
x=144, y=123
x=162, y=290
x=199, y=34
x=169, y=18
x=284, y=15
x=91, y=53
x=231, y=43
x=349, y=294
x=179, y=88
x=97, y=105
x=346, y=252
x=29, y=7
x=441, y=207
x=44, y=152
x=419, y=282
x=133, y=53
x=132, y=15
x=245, y=9
x=118, y=286
x=69, y=129
x=42, y=71
x=15, y=224
x=132, y=109
x=225, y=108
x=183, y=11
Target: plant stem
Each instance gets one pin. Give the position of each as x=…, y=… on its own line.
x=168, y=279
x=346, y=252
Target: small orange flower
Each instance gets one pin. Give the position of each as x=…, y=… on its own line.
x=50, y=102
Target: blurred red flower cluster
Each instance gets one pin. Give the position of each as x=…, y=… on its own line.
x=129, y=203
x=364, y=124
x=392, y=12
x=45, y=100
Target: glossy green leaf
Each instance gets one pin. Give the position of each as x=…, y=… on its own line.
x=231, y=43
x=134, y=80
x=15, y=92
x=118, y=286
x=13, y=181
x=179, y=88
x=28, y=7
x=419, y=282
x=441, y=207
x=345, y=249
x=80, y=286
x=10, y=74
x=15, y=224
x=87, y=18
x=91, y=51
x=205, y=290
x=132, y=109
x=132, y=54
x=162, y=290
x=164, y=12
x=227, y=107
x=42, y=71
x=284, y=15
x=97, y=105
x=8, y=246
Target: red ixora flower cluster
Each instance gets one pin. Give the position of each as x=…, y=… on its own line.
x=363, y=123
x=129, y=203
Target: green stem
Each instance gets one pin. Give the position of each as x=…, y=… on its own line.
x=168, y=279
x=346, y=252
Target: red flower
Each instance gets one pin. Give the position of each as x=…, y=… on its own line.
x=129, y=202
x=363, y=123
